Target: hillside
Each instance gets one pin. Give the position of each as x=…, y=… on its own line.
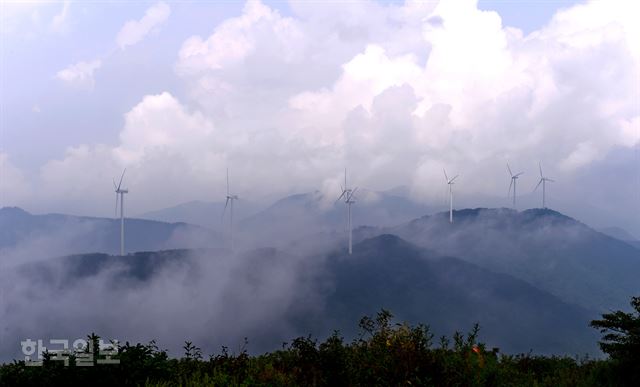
x=269, y=296
x=29, y=236
x=303, y=215
x=545, y=248
x=205, y=214
x=451, y=294
x=621, y=234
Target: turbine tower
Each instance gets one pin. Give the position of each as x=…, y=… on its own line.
x=514, y=179
x=348, y=195
x=229, y=202
x=543, y=181
x=450, y=183
x=120, y=191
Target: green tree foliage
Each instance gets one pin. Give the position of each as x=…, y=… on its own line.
x=385, y=353
x=621, y=341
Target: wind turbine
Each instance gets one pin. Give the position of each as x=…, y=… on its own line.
x=120, y=191
x=229, y=202
x=543, y=181
x=514, y=179
x=348, y=195
x=450, y=183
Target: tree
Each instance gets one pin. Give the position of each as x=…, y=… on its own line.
x=621, y=340
x=622, y=333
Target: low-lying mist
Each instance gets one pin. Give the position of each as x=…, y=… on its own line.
x=208, y=295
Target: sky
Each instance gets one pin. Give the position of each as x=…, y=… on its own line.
x=288, y=94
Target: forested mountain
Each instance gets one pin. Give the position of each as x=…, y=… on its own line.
x=543, y=247
x=269, y=296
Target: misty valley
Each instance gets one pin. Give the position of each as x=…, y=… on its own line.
x=532, y=280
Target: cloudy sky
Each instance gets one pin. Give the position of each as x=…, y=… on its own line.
x=286, y=94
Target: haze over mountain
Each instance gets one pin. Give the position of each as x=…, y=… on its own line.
x=205, y=214
x=304, y=215
x=543, y=247
x=621, y=234
x=296, y=216
x=451, y=294
x=512, y=271
x=270, y=296
x=288, y=101
x=26, y=236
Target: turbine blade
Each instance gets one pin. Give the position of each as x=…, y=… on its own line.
x=517, y=175
x=445, y=175
x=540, y=166
x=225, y=208
x=551, y=180
x=540, y=182
x=114, y=184
x=455, y=177
x=345, y=178
x=352, y=193
x=121, y=177
x=341, y=195
x=509, y=168
x=508, y=193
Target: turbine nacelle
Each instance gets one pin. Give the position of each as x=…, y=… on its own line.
x=119, y=190
x=543, y=180
x=345, y=193
x=120, y=198
x=229, y=199
x=511, y=173
x=348, y=194
x=512, y=184
x=449, y=181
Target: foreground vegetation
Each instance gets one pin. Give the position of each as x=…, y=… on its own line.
x=384, y=354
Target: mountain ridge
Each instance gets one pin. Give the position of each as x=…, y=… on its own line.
x=54, y=234
x=334, y=290
x=541, y=246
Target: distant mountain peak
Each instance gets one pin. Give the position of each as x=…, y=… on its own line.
x=466, y=214
x=13, y=211
x=618, y=233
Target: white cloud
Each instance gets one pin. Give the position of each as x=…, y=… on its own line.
x=162, y=145
x=14, y=185
x=584, y=153
x=395, y=91
x=80, y=74
x=366, y=76
x=59, y=23
x=235, y=38
x=161, y=123
x=135, y=30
